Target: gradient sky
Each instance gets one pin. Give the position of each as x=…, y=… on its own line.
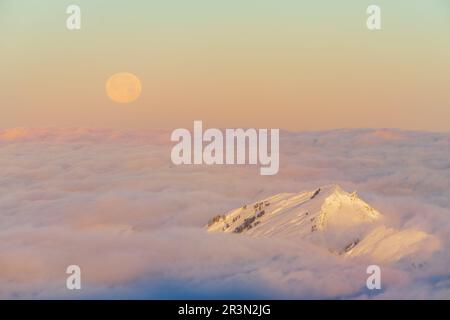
x=291, y=64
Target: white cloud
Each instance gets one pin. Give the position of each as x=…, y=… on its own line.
x=113, y=203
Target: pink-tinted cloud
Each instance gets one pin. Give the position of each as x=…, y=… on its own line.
x=113, y=203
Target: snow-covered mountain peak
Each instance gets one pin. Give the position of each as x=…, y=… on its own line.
x=327, y=216
x=296, y=213
x=347, y=209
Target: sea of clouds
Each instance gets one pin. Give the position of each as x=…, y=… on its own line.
x=114, y=204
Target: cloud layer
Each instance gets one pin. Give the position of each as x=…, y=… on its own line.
x=112, y=203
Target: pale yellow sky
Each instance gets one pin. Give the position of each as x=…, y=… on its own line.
x=278, y=64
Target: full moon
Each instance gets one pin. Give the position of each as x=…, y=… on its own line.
x=123, y=87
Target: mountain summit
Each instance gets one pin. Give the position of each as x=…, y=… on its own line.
x=328, y=216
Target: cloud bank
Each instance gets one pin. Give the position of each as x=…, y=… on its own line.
x=114, y=204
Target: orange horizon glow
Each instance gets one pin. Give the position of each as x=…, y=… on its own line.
x=294, y=66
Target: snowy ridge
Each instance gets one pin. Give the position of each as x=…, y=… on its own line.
x=328, y=216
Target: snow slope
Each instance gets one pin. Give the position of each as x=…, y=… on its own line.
x=329, y=217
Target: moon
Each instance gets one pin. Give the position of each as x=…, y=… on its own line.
x=123, y=87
